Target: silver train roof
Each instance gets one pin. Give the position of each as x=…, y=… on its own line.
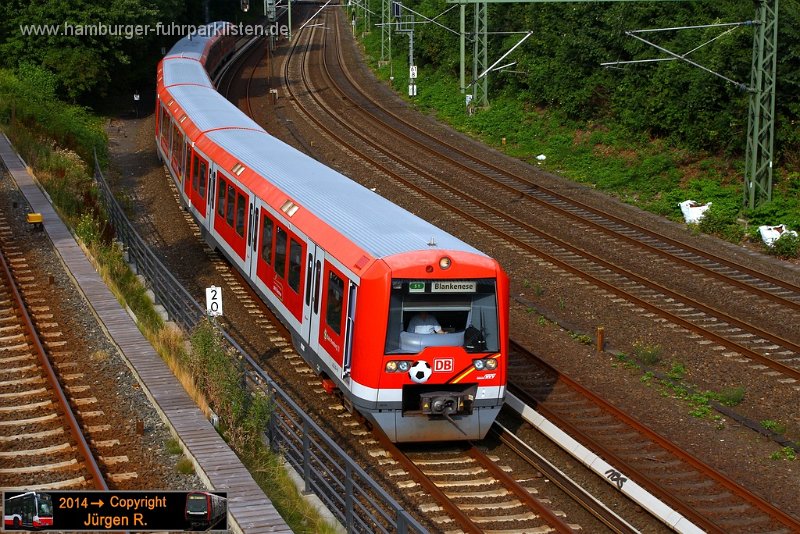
x=186, y=71
x=192, y=46
x=372, y=222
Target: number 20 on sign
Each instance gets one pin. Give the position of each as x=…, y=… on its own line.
x=214, y=301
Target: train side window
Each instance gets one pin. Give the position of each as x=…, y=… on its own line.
x=184, y=149
x=280, y=252
x=295, y=259
x=163, y=123
x=231, y=205
x=221, y=188
x=203, y=178
x=240, y=207
x=195, y=172
x=177, y=142
x=266, y=241
x=333, y=308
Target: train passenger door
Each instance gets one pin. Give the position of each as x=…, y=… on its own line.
x=315, y=259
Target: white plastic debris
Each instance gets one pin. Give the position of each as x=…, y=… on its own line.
x=692, y=211
x=541, y=157
x=770, y=234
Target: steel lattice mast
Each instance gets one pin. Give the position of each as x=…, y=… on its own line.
x=761, y=113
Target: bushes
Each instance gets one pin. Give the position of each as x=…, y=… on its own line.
x=720, y=220
x=29, y=105
x=221, y=378
x=787, y=246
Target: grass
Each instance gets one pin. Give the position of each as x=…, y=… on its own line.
x=184, y=466
x=785, y=453
x=173, y=447
x=670, y=385
x=269, y=472
x=773, y=426
x=647, y=353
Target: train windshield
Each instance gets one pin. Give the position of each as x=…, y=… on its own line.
x=437, y=313
x=196, y=502
x=45, y=505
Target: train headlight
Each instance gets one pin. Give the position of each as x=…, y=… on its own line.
x=488, y=363
x=445, y=262
x=394, y=366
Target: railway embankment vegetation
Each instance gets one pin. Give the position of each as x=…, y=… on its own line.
x=651, y=134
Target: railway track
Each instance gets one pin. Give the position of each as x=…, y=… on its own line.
x=472, y=492
x=42, y=444
x=694, y=489
x=751, y=340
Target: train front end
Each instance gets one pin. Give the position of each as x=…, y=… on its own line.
x=442, y=333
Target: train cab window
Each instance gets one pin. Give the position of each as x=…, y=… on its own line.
x=295, y=258
x=231, y=205
x=221, y=188
x=464, y=310
x=266, y=241
x=280, y=252
x=333, y=308
x=240, y=207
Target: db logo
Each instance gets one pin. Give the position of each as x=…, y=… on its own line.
x=443, y=365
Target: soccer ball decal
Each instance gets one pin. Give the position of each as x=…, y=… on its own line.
x=420, y=372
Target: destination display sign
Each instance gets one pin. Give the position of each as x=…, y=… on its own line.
x=453, y=286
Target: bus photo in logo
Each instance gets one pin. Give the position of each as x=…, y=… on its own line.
x=443, y=365
x=30, y=510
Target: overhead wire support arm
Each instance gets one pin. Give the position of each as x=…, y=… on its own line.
x=493, y=65
x=680, y=57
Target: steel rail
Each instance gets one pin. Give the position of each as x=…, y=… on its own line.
x=33, y=336
x=521, y=493
x=567, y=485
x=646, y=481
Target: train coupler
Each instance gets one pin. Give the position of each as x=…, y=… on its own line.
x=446, y=403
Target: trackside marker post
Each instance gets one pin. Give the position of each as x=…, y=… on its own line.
x=214, y=301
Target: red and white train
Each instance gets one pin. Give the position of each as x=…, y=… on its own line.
x=205, y=510
x=343, y=268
